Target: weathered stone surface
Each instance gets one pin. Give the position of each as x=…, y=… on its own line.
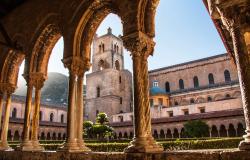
x=233, y=154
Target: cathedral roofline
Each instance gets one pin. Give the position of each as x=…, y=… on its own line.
x=189, y=62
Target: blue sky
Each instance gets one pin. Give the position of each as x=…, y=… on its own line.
x=184, y=32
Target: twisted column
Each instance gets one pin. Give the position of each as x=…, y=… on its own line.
x=8, y=89
x=141, y=46
x=39, y=79
x=235, y=19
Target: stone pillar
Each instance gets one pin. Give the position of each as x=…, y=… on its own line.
x=74, y=142
x=79, y=112
x=234, y=16
x=26, y=144
x=39, y=79
x=4, y=134
x=1, y=108
x=141, y=46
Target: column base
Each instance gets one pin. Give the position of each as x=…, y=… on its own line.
x=245, y=144
x=26, y=146
x=83, y=147
x=143, y=145
x=70, y=146
x=37, y=146
x=5, y=147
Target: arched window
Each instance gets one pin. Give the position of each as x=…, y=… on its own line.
x=103, y=48
x=227, y=76
x=101, y=65
x=117, y=65
x=51, y=117
x=196, y=82
x=181, y=84
x=98, y=91
x=192, y=101
x=100, y=48
x=167, y=86
x=97, y=112
x=14, y=111
x=211, y=79
x=62, y=118
x=40, y=115
x=209, y=99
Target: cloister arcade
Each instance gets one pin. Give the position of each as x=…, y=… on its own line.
x=30, y=31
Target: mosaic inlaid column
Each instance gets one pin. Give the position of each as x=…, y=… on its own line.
x=141, y=46
x=38, y=84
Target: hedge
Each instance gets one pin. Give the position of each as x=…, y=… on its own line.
x=168, y=145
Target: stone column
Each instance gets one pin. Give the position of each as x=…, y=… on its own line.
x=141, y=46
x=39, y=79
x=1, y=108
x=26, y=144
x=80, y=114
x=4, y=134
x=234, y=16
x=71, y=144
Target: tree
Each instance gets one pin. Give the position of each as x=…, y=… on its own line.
x=100, y=129
x=88, y=125
x=196, y=128
x=102, y=118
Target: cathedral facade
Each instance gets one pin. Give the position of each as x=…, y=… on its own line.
x=109, y=86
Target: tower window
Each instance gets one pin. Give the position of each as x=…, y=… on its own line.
x=103, y=48
x=211, y=79
x=101, y=65
x=202, y=110
x=185, y=112
x=120, y=79
x=120, y=100
x=196, y=82
x=181, y=84
x=170, y=113
x=117, y=65
x=167, y=86
x=98, y=92
x=227, y=76
x=40, y=115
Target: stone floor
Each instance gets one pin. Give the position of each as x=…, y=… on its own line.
x=233, y=154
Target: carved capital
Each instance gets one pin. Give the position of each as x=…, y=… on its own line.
x=76, y=65
x=7, y=88
x=233, y=14
x=38, y=79
x=139, y=44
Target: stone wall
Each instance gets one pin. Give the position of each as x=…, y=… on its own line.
x=232, y=154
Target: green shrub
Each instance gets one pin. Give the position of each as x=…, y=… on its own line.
x=177, y=144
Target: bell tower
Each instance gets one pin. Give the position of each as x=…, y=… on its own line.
x=109, y=86
x=107, y=52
